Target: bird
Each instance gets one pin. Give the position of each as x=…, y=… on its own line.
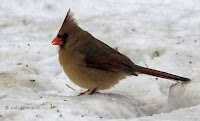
x=92, y=64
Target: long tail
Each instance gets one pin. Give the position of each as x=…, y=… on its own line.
x=156, y=73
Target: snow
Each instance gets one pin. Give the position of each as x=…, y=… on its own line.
x=184, y=95
x=162, y=35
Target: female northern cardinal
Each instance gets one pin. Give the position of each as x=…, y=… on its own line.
x=92, y=64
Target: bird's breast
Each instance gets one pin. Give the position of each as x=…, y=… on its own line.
x=86, y=77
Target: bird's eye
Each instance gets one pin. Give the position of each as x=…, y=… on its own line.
x=59, y=36
x=65, y=36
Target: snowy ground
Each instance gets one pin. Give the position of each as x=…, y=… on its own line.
x=163, y=35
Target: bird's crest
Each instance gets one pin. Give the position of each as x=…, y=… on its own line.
x=69, y=20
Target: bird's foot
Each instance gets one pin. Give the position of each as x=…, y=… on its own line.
x=82, y=93
x=94, y=91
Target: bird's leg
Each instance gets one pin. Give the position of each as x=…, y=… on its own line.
x=94, y=91
x=83, y=92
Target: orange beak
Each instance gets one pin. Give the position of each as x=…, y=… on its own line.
x=57, y=41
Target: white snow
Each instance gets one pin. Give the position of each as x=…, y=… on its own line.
x=183, y=95
x=163, y=35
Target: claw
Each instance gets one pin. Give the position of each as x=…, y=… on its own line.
x=82, y=93
x=94, y=91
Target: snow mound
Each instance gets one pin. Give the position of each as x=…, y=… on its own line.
x=182, y=95
x=107, y=106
